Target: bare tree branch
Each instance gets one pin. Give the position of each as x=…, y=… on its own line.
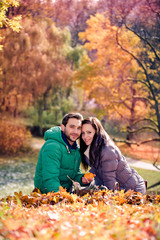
x=149, y=140
x=136, y=143
x=125, y=141
x=156, y=105
x=138, y=80
x=143, y=128
x=153, y=10
x=144, y=40
x=146, y=119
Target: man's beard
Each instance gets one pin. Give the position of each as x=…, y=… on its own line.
x=68, y=137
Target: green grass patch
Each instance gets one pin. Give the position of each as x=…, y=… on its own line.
x=153, y=178
x=17, y=173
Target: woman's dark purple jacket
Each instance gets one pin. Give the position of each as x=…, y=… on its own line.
x=114, y=168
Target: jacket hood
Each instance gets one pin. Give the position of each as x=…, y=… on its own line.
x=54, y=133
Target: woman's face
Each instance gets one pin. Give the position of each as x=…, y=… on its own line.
x=88, y=133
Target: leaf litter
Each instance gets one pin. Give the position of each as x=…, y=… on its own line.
x=94, y=214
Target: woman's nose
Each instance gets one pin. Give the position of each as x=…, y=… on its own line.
x=85, y=138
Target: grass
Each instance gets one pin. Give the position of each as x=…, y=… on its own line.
x=17, y=173
x=146, y=153
x=153, y=178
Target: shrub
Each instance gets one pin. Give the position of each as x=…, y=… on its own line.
x=13, y=138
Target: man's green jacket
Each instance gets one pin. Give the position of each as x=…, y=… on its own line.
x=56, y=160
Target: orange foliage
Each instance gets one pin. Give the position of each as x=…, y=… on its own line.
x=115, y=215
x=36, y=199
x=61, y=189
x=112, y=71
x=13, y=138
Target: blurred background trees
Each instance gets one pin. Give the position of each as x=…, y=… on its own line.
x=97, y=57
x=125, y=66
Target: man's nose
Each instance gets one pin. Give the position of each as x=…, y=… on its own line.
x=76, y=130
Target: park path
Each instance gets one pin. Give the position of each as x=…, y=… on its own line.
x=37, y=144
x=141, y=164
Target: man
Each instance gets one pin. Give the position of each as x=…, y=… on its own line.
x=59, y=157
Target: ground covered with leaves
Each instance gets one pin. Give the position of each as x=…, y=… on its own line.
x=86, y=215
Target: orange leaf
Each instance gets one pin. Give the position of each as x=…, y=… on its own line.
x=61, y=189
x=89, y=176
x=11, y=224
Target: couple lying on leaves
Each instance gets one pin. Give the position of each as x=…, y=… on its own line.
x=60, y=158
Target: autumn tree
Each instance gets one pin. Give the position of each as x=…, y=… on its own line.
x=74, y=14
x=5, y=21
x=32, y=8
x=117, y=71
x=35, y=62
x=146, y=28
x=70, y=13
x=107, y=74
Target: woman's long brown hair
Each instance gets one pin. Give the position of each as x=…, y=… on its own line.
x=99, y=140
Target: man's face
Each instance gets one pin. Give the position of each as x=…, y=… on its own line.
x=72, y=130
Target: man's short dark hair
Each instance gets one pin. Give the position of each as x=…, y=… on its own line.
x=71, y=115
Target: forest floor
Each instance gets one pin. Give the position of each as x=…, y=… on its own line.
x=143, y=156
x=143, y=152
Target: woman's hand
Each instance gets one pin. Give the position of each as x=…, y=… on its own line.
x=85, y=180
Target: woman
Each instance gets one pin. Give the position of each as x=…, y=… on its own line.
x=105, y=159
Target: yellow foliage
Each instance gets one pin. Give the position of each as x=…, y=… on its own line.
x=14, y=23
x=112, y=71
x=3, y=9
